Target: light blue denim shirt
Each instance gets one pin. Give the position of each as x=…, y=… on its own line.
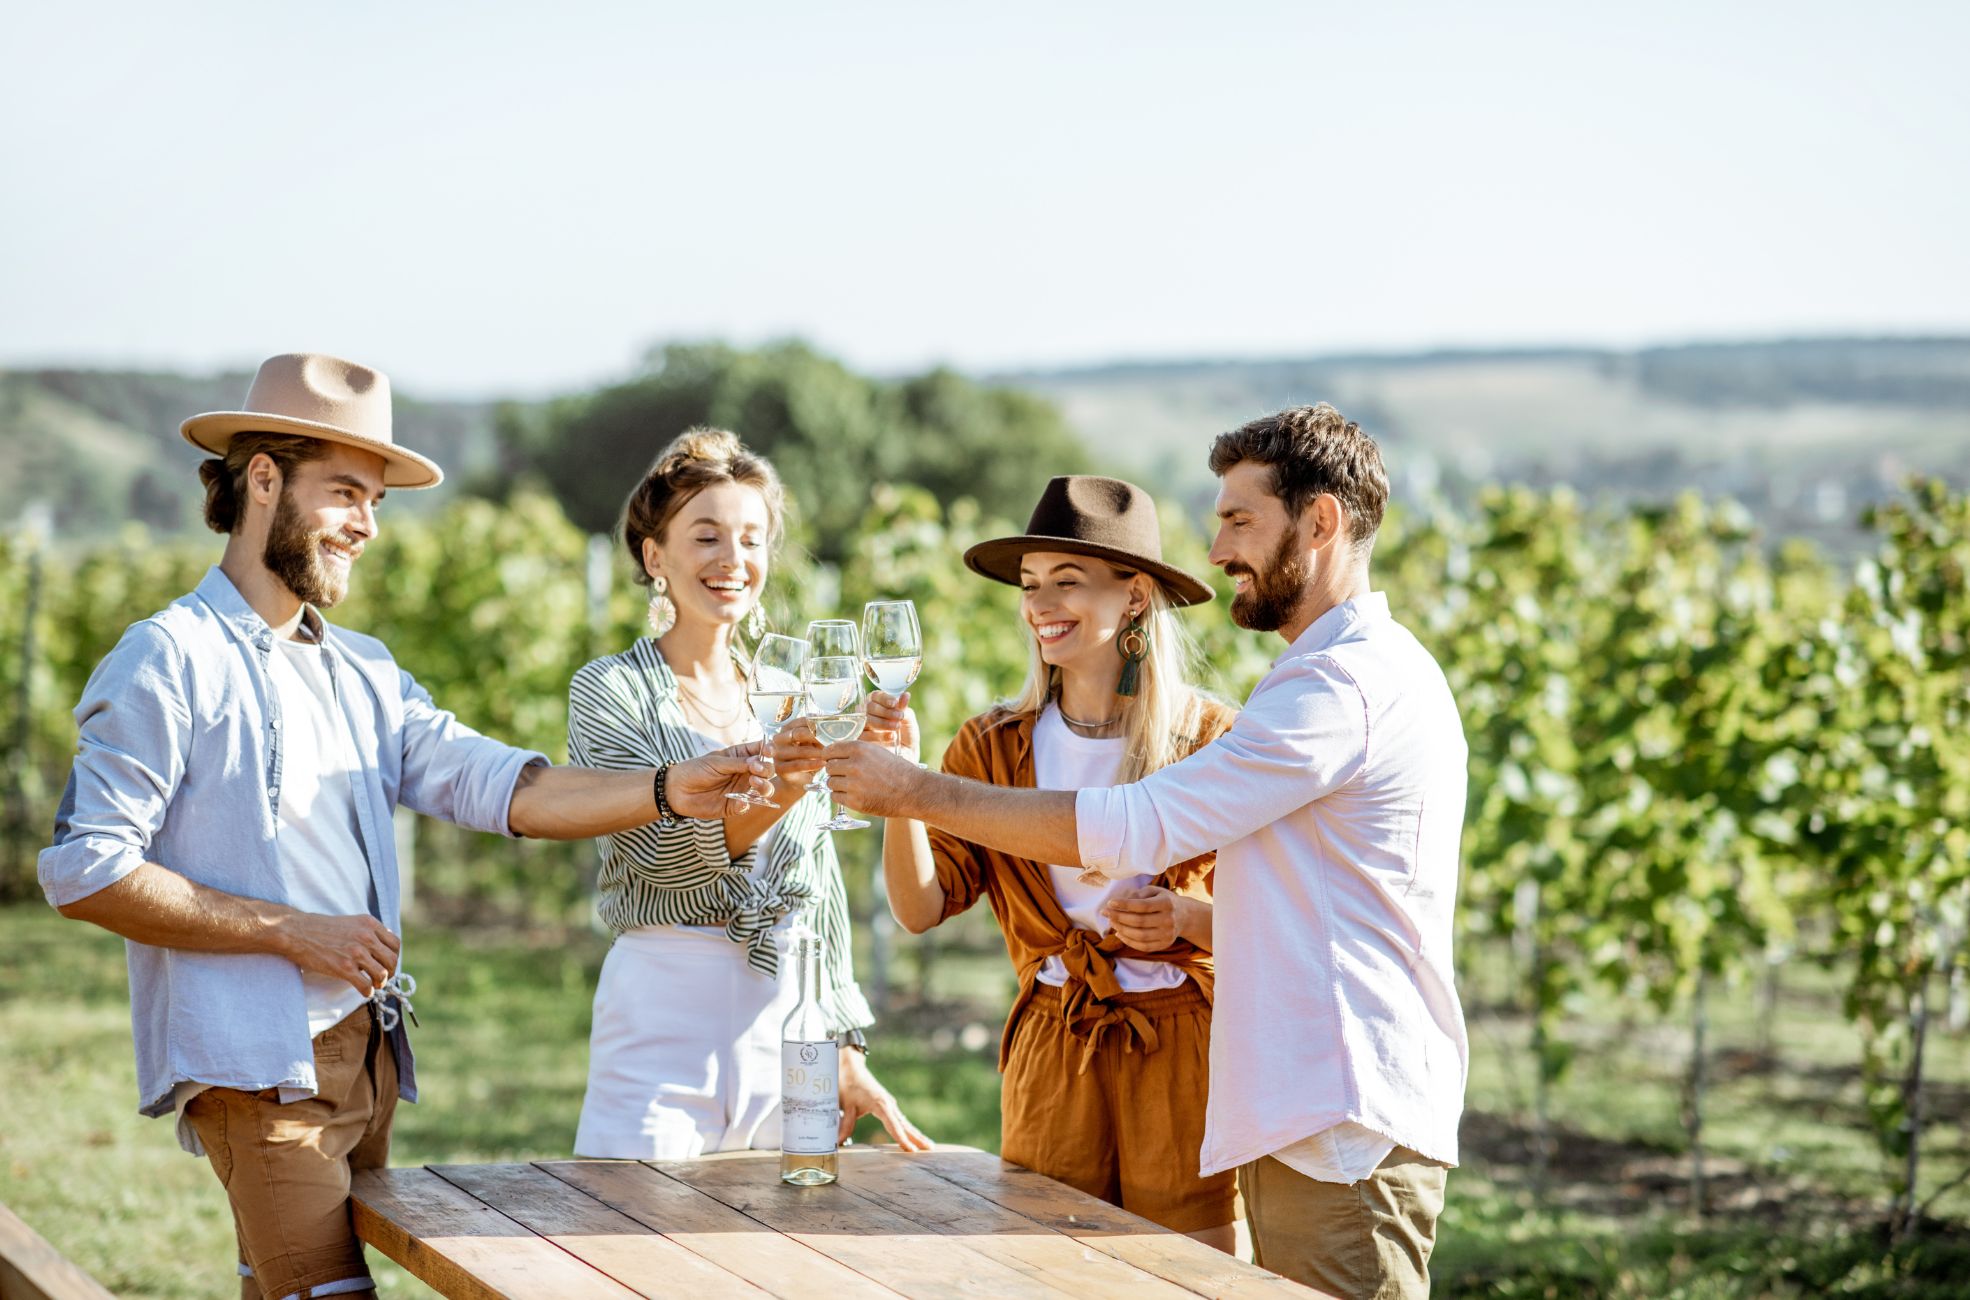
x=180, y=764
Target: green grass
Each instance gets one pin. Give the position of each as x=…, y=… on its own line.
x=1797, y=1189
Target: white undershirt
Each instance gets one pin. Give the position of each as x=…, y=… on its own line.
x=1065, y=761
x=321, y=847
x=320, y=844
x=1345, y=1153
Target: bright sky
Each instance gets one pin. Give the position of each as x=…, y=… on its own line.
x=486, y=198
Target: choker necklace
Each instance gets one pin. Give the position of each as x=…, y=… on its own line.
x=1075, y=722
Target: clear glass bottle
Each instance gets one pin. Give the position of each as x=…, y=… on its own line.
x=810, y=1077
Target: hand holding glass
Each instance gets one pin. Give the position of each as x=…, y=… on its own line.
x=834, y=710
x=774, y=689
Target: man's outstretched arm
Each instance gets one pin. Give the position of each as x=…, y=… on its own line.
x=574, y=803
x=1035, y=824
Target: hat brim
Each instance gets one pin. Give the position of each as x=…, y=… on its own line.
x=214, y=432
x=999, y=558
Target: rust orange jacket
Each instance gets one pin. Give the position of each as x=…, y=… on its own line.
x=997, y=747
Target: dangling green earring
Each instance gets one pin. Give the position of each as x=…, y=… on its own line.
x=1133, y=646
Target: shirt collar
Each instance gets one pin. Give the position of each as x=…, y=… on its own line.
x=1330, y=627
x=218, y=592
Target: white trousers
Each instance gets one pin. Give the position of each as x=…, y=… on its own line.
x=684, y=1056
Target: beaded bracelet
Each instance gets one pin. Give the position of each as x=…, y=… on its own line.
x=664, y=813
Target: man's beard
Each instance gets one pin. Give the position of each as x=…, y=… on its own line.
x=1276, y=590
x=293, y=554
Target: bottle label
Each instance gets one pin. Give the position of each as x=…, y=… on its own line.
x=810, y=1097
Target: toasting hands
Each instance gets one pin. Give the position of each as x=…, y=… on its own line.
x=871, y=779
x=893, y=722
x=698, y=788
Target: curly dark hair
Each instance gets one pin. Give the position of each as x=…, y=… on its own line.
x=1313, y=449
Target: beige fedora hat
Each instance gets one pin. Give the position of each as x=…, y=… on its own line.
x=318, y=396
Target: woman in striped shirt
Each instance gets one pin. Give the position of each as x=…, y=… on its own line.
x=684, y=1056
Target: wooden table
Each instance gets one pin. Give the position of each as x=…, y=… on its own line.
x=952, y=1222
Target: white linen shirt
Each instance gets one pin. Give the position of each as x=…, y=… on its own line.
x=1335, y=803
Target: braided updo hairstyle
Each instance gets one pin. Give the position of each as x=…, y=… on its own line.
x=695, y=460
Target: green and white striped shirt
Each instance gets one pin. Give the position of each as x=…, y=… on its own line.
x=624, y=712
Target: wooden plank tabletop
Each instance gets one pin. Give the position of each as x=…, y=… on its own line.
x=954, y=1222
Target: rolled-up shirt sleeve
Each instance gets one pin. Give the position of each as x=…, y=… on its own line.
x=1302, y=735
x=135, y=736
x=452, y=772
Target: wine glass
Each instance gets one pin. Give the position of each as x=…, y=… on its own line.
x=834, y=710
x=830, y=638
x=775, y=691
x=892, y=647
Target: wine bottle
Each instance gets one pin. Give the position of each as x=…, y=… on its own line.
x=810, y=1077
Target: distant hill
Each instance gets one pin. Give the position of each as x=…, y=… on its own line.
x=1802, y=431
x=89, y=450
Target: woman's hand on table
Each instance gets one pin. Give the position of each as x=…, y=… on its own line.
x=862, y=1095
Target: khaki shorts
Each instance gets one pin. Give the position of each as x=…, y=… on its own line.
x=1125, y=1121
x=286, y=1167
x=1369, y=1240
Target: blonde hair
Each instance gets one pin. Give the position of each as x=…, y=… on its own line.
x=1164, y=720
x=695, y=460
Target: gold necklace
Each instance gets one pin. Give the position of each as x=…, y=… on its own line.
x=705, y=715
x=1081, y=727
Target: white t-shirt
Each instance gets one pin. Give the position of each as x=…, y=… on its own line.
x=1065, y=761
x=321, y=847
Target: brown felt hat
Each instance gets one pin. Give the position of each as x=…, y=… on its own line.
x=1083, y=514
x=323, y=397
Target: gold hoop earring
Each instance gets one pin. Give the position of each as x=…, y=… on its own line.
x=1133, y=646
x=663, y=610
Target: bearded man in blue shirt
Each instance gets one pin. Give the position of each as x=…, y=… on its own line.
x=229, y=814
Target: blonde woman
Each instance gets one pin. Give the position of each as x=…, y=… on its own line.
x=1105, y=1051
x=684, y=1056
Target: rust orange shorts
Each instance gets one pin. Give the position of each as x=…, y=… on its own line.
x=1128, y=1127
x=286, y=1167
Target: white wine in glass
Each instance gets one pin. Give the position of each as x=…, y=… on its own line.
x=892, y=648
x=892, y=644
x=839, y=729
x=774, y=690
x=834, y=710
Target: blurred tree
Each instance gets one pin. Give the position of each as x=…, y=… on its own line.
x=831, y=433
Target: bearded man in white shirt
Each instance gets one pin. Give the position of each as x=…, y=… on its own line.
x=1335, y=804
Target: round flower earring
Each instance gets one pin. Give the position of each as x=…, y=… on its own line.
x=663, y=610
